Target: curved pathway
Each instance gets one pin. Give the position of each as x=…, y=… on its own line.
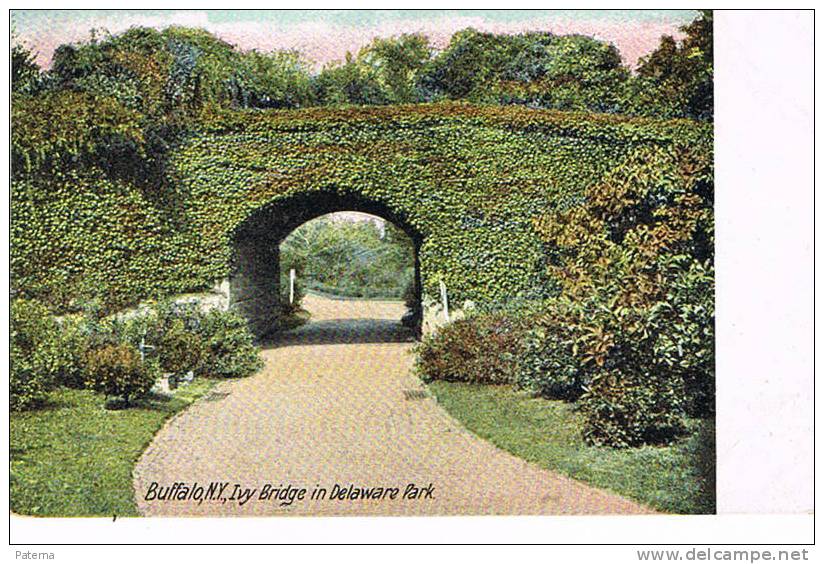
x=336, y=404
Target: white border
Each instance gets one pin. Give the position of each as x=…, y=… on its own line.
x=764, y=257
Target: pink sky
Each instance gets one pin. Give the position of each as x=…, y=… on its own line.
x=323, y=41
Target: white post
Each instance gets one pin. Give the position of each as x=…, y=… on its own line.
x=143, y=347
x=291, y=285
x=445, y=301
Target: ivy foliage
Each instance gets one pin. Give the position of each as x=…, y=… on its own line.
x=468, y=181
x=630, y=333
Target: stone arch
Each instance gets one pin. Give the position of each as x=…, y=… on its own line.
x=470, y=184
x=254, y=273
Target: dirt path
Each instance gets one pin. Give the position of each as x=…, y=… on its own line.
x=336, y=404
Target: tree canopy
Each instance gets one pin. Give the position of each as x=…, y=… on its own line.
x=173, y=74
x=119, y=102
x=676, y=80
x=350, y=258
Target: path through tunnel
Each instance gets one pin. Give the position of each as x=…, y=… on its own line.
x=346, y=322
x=337, y=245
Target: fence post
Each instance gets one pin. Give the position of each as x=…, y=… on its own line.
x=445, y=301
x=143, y=347
x=291, y=286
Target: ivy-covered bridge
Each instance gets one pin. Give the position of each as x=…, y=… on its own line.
x=467, y=183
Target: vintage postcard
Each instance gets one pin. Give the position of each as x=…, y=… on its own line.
x=281, y=263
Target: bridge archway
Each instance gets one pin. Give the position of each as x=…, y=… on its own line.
x=469, y=184
x=254, y=275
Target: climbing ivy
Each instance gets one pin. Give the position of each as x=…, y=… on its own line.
x=468, y=181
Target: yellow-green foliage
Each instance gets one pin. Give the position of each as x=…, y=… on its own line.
x=470, y=180
x=65, y=126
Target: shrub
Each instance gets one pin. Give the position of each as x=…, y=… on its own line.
x=623, y=408
x=686, y=341
x=547, y=365
x=167, y=317
x=180, y=350
x=74, y=343
x=41, y=357
x=633, y=260
x=98, y=332
x=171, y=329
x=230, y=349
x=27, y=387
x=479, y=349
x=213, y=343
x=631, y=395
x=117, y=370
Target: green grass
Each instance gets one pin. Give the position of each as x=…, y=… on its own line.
x=74, y=457
x=679, y=478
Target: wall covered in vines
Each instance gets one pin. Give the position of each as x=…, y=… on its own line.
x=468, y=181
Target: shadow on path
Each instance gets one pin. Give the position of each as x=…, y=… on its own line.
x=345, y=322
x=342, y=332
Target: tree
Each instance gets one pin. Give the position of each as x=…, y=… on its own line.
x=137, y=90
x=25, y=73
x=538, y=69
x=470, y=63
x=349, y=82
x=676, y=80
x=350, y=258
x=170, y=74
x=571, y=72
x=397, y=62
x=279, y=79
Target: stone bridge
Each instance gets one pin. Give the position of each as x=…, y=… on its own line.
x=466, y=183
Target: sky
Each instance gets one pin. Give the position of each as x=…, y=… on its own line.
x=326, y=35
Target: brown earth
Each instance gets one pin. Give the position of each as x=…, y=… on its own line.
x=337, y=404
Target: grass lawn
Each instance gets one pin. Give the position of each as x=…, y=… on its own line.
x=679, y=478
x=73, y=457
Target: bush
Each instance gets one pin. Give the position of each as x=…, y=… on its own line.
x=230, y=349
x=634, y=264
x=180, y=350
x=74, y=343
x=27, y=387
x=686, y=341
x=41, y=355
x=98, y=332
x=631, y=395
x=214, y=343
x=117, y=370
x=102, y=353
x=547, y=365
x=171, y=329
x=480, y=349
x=625, y=408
